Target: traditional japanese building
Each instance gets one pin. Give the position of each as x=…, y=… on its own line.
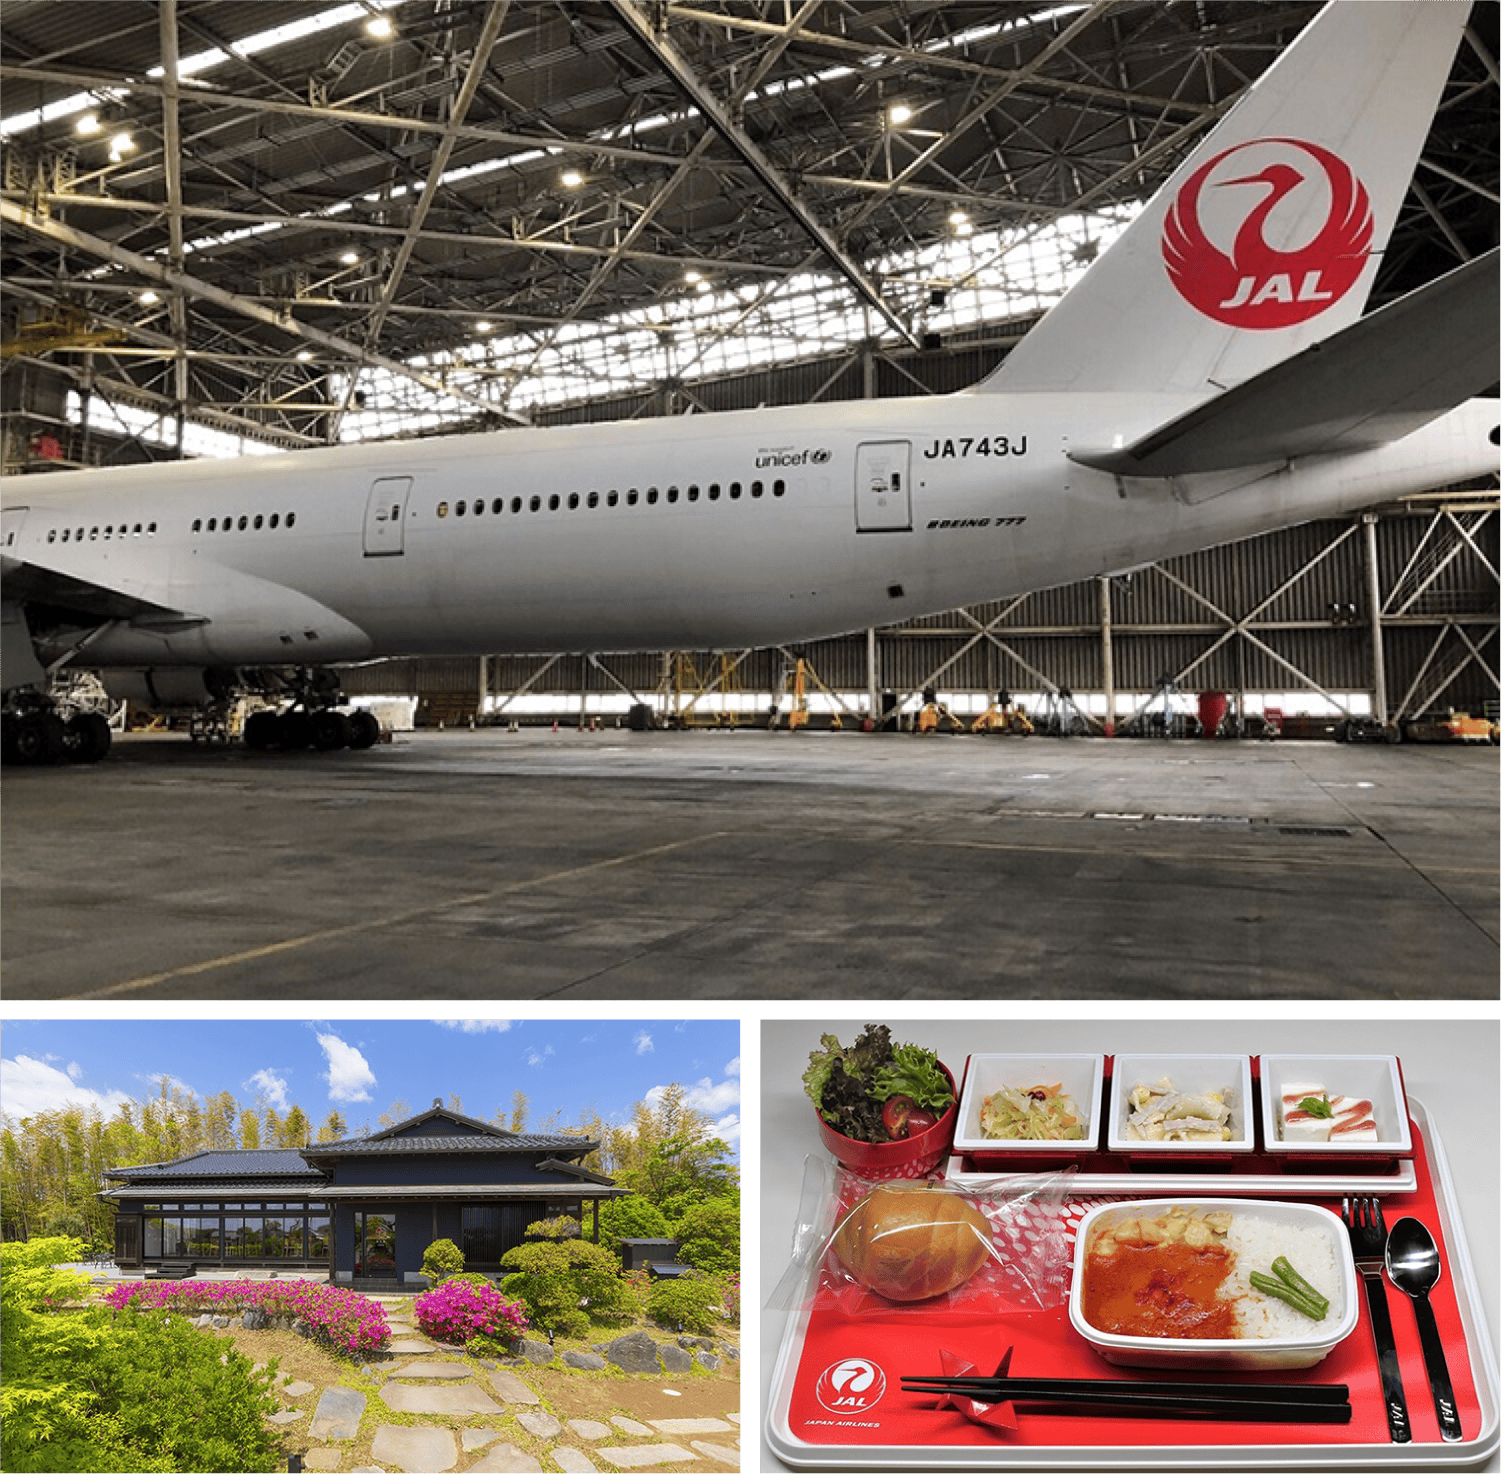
x=363, y=1209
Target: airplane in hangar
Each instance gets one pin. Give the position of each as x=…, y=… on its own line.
x=1210, y=377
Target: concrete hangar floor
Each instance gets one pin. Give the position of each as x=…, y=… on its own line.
x=718, y=864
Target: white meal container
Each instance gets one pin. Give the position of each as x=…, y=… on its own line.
x=1191, y=1074
x=1373, y=1077
x=1082, y=1077
x=1183, y=1355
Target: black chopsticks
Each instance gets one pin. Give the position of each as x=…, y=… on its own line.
x=1268, y=1402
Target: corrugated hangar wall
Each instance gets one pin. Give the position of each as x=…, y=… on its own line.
x=1291, y=611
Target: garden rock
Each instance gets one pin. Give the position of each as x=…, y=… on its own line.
x=732, y=1352
x=588, y=1428
x=443, y=1371
x=477, y=1438
x=574, y=1461
x=584, y=1361
x=691, y=1425
x=338, y=1416
x=631, y=1426
x=730, y=1456
x=446, y=1400
x=204, y=1321
x=539, y=1353
x=708, y=1361
x=416, y=1450
x=706, y=1343
x=298, y=1389
x=255, y=1320
x=675, y=1359
x=287, y=1415
x=646, y=1455
x=540, y=1425
x=510, y=1388
x=506, y=1459
x=636, y=1352
x=323, y=1459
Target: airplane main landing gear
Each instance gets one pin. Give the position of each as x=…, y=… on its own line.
x=35, y=732
x=322, y=728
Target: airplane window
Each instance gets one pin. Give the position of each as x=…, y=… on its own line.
x=593, y=499
x=213, y=524
x=499, y=505
x=458, y=511
x=442, y=509
x=672, y=493
x=151, y=529
x=259, y=522
x=734, y=490
x=244, y=523
x=515, y=504
x=536, y=504
x=52, y=536
x=291, y=518
x=136, y=530
x=713, y=491
x=613, y=499
x=479, y=508
x=756, y=488
x=573, y=501
x=779, y=488
x=693, y=493
x=93, y=533
x=275, y=518
x=553, y=502
x=632, y=497
x=651, y=495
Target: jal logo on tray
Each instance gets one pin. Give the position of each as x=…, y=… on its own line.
x=853, y=1385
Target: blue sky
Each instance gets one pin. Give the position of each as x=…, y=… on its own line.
x=363, y=1067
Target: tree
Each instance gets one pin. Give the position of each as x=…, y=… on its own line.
x=334, y=1127
x=250, y=1131
x=399, y=1111
x=296, y=1129
x=520, y=1110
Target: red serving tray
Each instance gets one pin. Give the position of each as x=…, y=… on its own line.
x=909, y=1342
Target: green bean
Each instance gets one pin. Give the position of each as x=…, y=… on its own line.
x=1290, y=1276
x=1270, y=1285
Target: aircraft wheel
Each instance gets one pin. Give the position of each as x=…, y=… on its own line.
x=260, y=731
x=37, y=737
x=329, y=729
x=294, y=731
x=364, y=730
x=87, y=737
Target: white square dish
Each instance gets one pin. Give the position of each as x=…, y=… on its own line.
x=1080, y=1076
x=1373, y=1077
x=1302, y=1348
x=1228, y=1075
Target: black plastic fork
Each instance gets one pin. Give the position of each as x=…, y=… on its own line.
x=1367, y=1230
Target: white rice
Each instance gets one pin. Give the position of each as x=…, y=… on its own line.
x=1255, y=1242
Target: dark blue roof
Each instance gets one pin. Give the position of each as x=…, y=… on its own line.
x=273, y=1162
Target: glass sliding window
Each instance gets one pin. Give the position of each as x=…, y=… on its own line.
x=320, y=1234
x=153, y=1249
x=203, y=1237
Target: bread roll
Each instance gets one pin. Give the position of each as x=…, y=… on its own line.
x=912, y=1240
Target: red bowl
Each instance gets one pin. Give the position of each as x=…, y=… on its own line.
x=884, y=1161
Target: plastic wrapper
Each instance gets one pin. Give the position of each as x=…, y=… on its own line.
x=865, y=1247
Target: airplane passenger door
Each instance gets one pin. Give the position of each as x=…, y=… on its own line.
x=883, y=496
x=10, y=525
x=385, y=516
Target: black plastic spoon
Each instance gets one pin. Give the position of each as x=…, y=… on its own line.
x=1412, y=1264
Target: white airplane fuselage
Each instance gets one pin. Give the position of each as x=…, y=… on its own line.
x=748, y=528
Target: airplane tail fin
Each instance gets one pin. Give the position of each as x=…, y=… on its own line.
x=1266, y=239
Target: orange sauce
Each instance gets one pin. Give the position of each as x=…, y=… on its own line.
x=1159, y=1290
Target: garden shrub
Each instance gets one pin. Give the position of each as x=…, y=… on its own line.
x=562, y=1227
x=709, y=1236
x=459, y=1311
x=634, y=1217
x=695, y=1301
x=88, y=1389
x=442, y=1259
x=343, y=1320
x=567, y=1285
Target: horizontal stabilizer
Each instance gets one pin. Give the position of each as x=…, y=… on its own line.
x=1376, y=381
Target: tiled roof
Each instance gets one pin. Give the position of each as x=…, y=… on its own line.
x=260, y=1187
x=381, y=1144
x=275, y=1162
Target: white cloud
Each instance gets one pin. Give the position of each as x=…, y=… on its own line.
x=711, y=1098
x=269, y=1084
x=644, y=1044
x=348, y=1073
x=733, y=1068
x=728, y=1129
x=476, y=1025
x=75, y=1071
x=536, y=1059
x=30, y=1085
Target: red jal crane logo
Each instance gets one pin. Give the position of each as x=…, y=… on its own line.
x=1257, y=284
x=853, y=1385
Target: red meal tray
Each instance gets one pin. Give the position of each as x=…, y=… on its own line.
x=890, y=1428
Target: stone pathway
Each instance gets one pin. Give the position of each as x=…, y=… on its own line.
x=422, y=1380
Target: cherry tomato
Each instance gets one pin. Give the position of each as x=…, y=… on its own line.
x=895, y=1114
x=920, y=1120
